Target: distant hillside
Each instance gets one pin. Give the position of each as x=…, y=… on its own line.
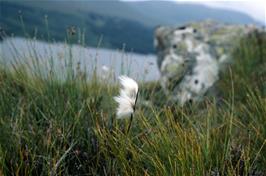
x=111, y=8
x=130, y=23
x=171, y=13
x=113, y=32
x=150, y=13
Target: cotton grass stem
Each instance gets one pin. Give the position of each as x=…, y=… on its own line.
x=132, y=114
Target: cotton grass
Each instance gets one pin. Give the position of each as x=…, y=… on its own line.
x=127, y=99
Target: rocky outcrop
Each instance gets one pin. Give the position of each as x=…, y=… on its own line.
x=190, y=57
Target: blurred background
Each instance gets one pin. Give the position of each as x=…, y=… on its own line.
x=110, y=26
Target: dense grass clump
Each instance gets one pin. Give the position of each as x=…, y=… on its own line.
x=67, y=127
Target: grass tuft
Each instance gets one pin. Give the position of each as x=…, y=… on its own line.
x=64, y=127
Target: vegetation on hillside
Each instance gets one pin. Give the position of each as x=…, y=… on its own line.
x=114, y=22
x=114, y=32
x=67, y=127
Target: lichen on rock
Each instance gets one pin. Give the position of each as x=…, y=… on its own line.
x=190, y=57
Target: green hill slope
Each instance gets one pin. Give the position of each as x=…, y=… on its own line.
x=171, y=13
x=114, y=31
x=117, y=22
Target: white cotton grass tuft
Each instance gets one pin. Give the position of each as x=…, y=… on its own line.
x=127, y=97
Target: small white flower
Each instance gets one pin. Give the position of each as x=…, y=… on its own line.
x=127, y=98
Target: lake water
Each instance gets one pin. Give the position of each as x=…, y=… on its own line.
x=59, y=55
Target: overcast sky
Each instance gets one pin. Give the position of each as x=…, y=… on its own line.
x=254, y=8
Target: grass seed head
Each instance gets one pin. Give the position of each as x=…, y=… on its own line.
x=127, y=97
